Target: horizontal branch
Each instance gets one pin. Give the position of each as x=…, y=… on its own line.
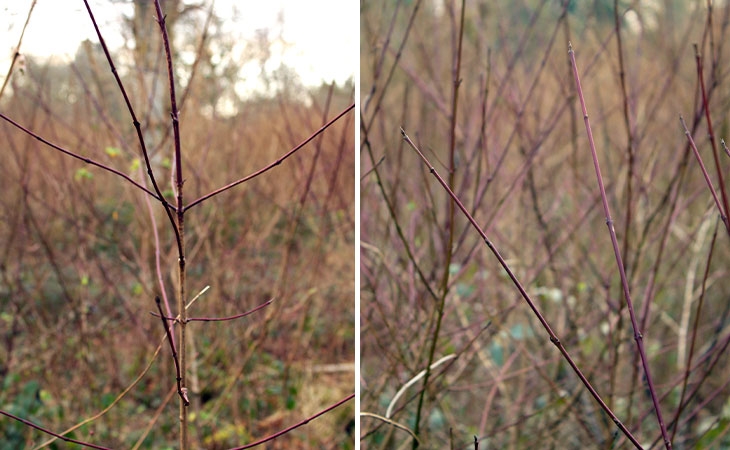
x=217, y=319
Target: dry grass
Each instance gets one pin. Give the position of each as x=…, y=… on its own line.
x=78, y=271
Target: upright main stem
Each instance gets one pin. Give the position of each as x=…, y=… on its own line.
x=456, y=81
x=184, y=402
x=638, y=337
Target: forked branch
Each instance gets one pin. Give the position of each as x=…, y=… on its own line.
x=180, y=389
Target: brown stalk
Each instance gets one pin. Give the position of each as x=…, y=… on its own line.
x=631, y=152
x=16, y=52
x=179, y=229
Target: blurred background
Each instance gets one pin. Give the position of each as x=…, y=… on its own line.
x=83, y=253
x=512, y=144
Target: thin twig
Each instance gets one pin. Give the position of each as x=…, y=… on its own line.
x=217, y=319
x=297, y=425
x=451, y=210
x=79, y=157
x=47, y=431
x=704, y=173
x=695, y=327
x=16, y=52
x=135, y=122
x=710, y=132
x=114, y=403
x=638, y=337
x=275, y=163
x=180, y=389
x=390, y=422
x=553, y=337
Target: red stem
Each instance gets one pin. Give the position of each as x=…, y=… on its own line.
x=638, y=337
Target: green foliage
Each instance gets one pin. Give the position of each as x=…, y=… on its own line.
x=716, y=436
x=25, y=404
x=83, y=173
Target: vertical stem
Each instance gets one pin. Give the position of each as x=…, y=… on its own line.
x=184, y=402
x=456, y=80
x=183, y=322
x=705, y=104
x=638, y=337
x=616, y=346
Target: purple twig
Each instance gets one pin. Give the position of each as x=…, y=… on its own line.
x=143, y=148
x=704, y=173
x=638, y=337
x=47, y=431
x=218, y=319
x=711, y=134
x=180, y=389
x=82, y=158
x=553, y=337
x=275, y=163
x=297, y=425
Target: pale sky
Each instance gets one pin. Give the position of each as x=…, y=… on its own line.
x=323, y=33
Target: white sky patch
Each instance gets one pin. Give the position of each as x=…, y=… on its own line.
x=55, y=28
x=322, y=33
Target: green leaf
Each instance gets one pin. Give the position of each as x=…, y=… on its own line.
x=82, y=173
x=45, y=396
x=464, y=290
x=497, y=353
x=291, y=402
x=454, y=269
x=112, y=151
x=436, y=420
x=107, y=399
